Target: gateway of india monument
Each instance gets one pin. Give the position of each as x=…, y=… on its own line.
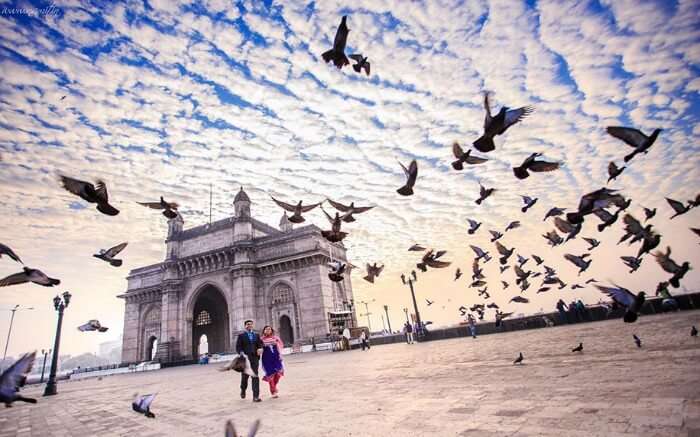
x=216, y=276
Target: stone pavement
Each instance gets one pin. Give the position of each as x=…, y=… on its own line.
x=459, y=387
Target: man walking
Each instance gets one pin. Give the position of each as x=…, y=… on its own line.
x=472, y=325
x=408, y=329
x=363, y=340
x=250, y=344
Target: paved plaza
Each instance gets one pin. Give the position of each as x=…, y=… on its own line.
x=458, y=387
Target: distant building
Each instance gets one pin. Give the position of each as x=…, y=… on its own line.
x=216, y=276
x=111, y=350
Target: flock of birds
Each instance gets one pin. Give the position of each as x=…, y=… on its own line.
x=597, y=203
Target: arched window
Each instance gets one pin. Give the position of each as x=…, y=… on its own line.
x=203, y=318
x=282, y=294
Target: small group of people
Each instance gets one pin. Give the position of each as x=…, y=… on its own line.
x=267, y=348
x=575, y=312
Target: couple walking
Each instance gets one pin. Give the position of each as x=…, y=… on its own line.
x=269, y=348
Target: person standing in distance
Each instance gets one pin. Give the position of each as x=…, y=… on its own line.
x=250, y=344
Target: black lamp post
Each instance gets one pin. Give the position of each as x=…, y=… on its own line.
x=60, y=305
x=386, y=310
x=43, y=366
x=413, y=278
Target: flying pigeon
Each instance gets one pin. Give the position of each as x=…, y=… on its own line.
x=430, y=259
x=297, y=209
x=413, y=275
x=579, y=261
x=5, y=250
x=575, y=286
x=524, y=285
x=505, y=284
x=416, y=248
x=624, y=205
x=554, y=212
x=495, y=236
x=632, y=262
x=458, y=273
x=588, y=281
x=549, y=271
x=372, y=272
x=633, y=228
x=567, y=228
x=462, y=311
x=337, y=53
x=492, y=305
x=651, y=241
x=562, y=285
x=362, y=62
x=480, y=253
x=578, y=348
x=522, y=261
x=625, y=298
x=543, y=289
x=484, y=293
x=537, y=259
x=503, y=268
x=337, y=270
x=499, y=124
x=678, y=207
x=505, y=252
x=601, y=198
x=696, y=231
x=614, y=171
x=633, y=138
x=670, y=266
x=529, y=202
x=512, y=225
x=607, y=218
x=649, y=213
x=522, y=276
x=429, y=302
x=536, y=274
x=109, y=254
x=91, y=193
x=335, y=234
x=411, y=174
x=231, y=430
x=553, y=238
x=637, y=341
x=14, y=378
x=519, y=360
x=169, y=208
x=142, y=404
x=92, y=325
x=464, y=157
x=478, y=283
x=29, y=275
x=593, y=242
x=473, y=226
x=349, y=210
x=532, y=164
x=476, y=271
x=484, y=193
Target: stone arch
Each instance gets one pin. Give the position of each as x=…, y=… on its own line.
x=209, y=312
x=150, y=330
x=284, y=312
x=151, y=348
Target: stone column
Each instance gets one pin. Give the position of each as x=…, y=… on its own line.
x=130, y=351
x=170, y=335
x=243, y=286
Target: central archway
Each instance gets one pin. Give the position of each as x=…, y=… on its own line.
x=210, y=319
x=286, y=331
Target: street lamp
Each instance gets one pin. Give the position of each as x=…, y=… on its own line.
x=60, y=305
x=367, y=313
x=413, y=278
x=43, y=366
x=386, y=310
x=7, y=343
x=405, y=310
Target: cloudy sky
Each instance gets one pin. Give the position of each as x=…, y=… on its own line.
x=165, y=99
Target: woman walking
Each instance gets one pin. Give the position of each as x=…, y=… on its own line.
x=272, y=359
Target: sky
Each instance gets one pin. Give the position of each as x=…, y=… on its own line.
x=165, y=99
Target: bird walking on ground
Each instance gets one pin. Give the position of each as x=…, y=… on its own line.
x=337, y=53
x=519, y=360
x=532, y=164
x=14, y=378
x=169, y=208
x=109, y=254
x=96, y=193
x=411, y=175
x=5, y=250
x=634, y=138
x=633, y=303
x=578, y=348
x=497, y=125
